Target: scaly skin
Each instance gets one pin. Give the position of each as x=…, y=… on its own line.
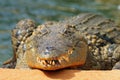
x=87, y=41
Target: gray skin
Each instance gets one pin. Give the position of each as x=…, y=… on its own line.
x=87, y=41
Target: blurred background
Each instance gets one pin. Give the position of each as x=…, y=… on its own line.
x=11, y=11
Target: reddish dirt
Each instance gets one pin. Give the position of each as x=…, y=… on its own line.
x=25, y=74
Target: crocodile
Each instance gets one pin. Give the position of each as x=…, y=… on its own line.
x=87, y=41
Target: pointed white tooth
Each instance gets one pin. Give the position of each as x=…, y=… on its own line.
x=50, y=62
x=60, y=60
x=48, y=65
x=38, y=60
x=66, y=58
x=53, y=62
x=43, y=62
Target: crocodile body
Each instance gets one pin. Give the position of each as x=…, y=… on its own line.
x=87, y=41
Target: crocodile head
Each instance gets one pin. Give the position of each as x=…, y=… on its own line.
x=48, y=46
x=54, y=47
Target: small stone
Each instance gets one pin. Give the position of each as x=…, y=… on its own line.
x=88, y=37
x=96, y=52
x=94, y=36
x=93, y=41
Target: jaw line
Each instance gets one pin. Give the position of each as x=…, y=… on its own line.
x=55, y=60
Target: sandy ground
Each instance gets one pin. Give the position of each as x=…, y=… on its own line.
x=23, y=74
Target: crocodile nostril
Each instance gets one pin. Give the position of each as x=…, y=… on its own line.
x=50, y=48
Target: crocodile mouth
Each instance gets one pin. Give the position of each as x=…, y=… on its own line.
x=48, y=63
x=55, y=61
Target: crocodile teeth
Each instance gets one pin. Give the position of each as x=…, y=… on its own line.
x=48, y=65
x=65, y=58
x=60, y=60
x=50, y=62
x=43, y=62
x=53, y=62
x=38, y=60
